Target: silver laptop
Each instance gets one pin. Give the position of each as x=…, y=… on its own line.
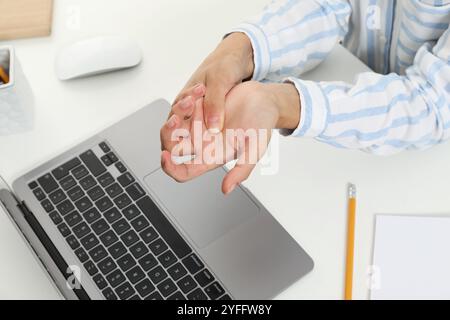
x=107, y=223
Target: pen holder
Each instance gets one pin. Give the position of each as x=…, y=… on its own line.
x=16, y=96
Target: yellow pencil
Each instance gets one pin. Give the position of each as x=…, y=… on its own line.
x=4, y=76
x=350, y=241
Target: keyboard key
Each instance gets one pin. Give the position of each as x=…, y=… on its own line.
x=106, y=160
x=148, y=235
x=197, y=294
x=148, y=262
x=73, y=242
x=81, y=254
x=135, y=275
x=39, y=194
x=64, y=170
x=155, y=296
x=100, y=226
x=65, y=207
x=47, y=205
x=83, y=204
x=164, y=227
x=112, y=156
x=158, y=247
x=105, y=148
x=96, y=193
x=57, y=196
x=56, y=218
x=100, y=281
x=91, y=215
x=167, y=287
x=157, y=275
x=33, y=185
x=140, y=223
x=177, y=271
x=204, y=278
x=122, y=201
x=121, y=226
x=225, y=297
x=145, y=287
x=135, y=191
x=104, y=204
x=130, y=212
x=88, y=182
x=93, y=163
x=125, y=291
x=126, y=262
x=109, y=294
x=108, y=238
x=193, y=263
x=115, y=278
x=125, y=179
x=64, y=229
x=75, y=193
x=187, y=284
x=81, y=230
x=80, y=172
x=98, y=253
x=67, y=183
x=167, y=259
x=89, y=241
x=121, y=167
x=48, y=183
x=214, y=291
x=112, y=215
x=105, y=179
x=107, y=265
x=117, y=250
x=177, y=296
x=139, y=249
x=129, y=238
x=114, y=190
x=90, y=268
x=73, y=218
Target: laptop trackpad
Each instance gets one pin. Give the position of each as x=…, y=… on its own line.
x=199, y=206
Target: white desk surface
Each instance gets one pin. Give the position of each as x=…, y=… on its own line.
x=307, y=196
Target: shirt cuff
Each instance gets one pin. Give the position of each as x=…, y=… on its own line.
x=314, y=109
x=261, y=52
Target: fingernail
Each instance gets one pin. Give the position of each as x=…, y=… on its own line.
x=213, y=124
x=186, y=103
x=172, y=122
x=231, y=189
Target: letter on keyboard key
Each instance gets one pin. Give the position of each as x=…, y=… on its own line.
x=164, y=227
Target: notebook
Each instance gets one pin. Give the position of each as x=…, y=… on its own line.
x=411, y=258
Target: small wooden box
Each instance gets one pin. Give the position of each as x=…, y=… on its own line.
x=25, y=18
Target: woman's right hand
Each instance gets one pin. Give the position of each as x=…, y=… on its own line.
x=228, y=65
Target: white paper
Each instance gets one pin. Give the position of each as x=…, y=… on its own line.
x=411, y=258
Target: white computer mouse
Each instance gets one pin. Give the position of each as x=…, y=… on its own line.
x=97, y=55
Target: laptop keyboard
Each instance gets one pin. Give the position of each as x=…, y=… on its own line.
x=125, y=243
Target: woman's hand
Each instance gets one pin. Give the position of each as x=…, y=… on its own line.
x=252, y=111
x=224, y=68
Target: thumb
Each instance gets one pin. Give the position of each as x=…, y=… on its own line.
x=214, y=106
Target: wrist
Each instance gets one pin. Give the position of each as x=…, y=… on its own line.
x=240, y=46
x=287, y=100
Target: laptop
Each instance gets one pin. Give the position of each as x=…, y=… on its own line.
x=106, y=222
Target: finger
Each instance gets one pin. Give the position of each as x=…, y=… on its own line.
x=181, y=172
x=172, y=131
x=214, y=109
x=195, y=92
x=184, y=108
x=236, y=176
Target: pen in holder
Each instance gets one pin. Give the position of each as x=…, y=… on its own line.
x=16, y=96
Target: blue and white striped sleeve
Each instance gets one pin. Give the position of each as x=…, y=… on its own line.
x=383, y=114
x=291, y=37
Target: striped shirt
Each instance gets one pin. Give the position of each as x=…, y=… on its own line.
x=403, y=104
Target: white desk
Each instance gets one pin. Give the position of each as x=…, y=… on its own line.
x=310, y=194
